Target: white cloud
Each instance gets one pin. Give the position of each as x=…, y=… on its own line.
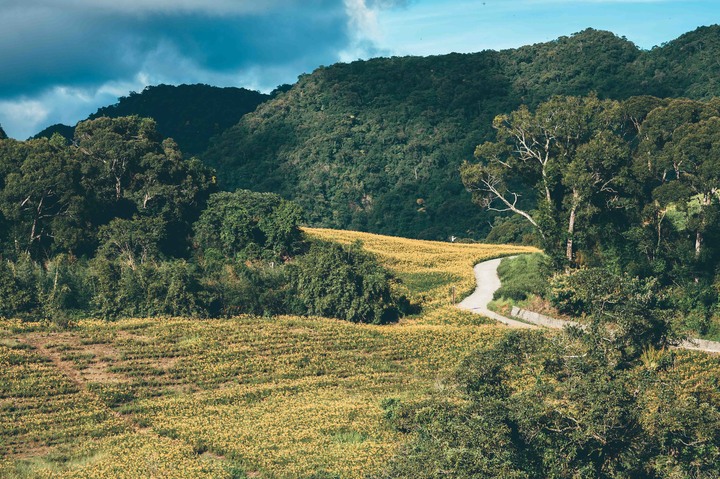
x=21, y=116
x=24, y=117
x=364, y=29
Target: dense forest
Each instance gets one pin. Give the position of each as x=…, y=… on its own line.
x=118, y=223
x=190, y=114
x=376, y=145
x=626, y=187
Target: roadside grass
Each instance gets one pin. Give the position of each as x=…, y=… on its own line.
x=281, y=397
x=523, y=276
x=713, y=332
x=524, y=283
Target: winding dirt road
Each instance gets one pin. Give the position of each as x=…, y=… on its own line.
x=487, y=283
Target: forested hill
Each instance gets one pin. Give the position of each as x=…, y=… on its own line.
x=191, y=114
x=376, y=145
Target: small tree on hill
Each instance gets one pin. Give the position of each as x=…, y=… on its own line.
x=344, y=282
x=249, y=225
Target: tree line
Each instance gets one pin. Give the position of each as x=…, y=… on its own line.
x=119, y=223
x=630, y=186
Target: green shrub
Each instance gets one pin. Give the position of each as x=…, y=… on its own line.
x=635, y=310
x=18, y=290
x=513, y=229
x=344, y=282
x=237, y=289
x=65, y=289
x=170, y=288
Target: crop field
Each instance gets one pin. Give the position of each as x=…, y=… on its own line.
x=280, y=397
x=430, y=271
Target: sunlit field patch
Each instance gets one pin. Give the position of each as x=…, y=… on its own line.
x=433, y=273
x=280, y=397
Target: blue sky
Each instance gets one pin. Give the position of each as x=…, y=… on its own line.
x=62, y=59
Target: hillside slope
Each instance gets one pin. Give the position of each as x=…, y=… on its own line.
x=375, y=145
x=280, y=397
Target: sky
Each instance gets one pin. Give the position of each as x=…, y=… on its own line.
x=60, y=60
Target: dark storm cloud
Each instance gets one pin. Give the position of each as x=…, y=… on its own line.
x=62, y=59
x=83, y=43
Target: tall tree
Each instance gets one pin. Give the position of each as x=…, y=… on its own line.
x=551, y=165
x=128, y=170
x=41, y=196
x=111, y=151
x=678, y=162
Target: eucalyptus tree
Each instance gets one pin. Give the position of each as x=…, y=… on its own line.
x=129, y=170
x=553, y=166
x=679, y=159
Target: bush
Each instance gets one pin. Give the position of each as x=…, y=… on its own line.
x=170, y=288
x=238, y=289
x=633, y=310
x=513, y=229
x=344, y=282
x=18, y=290
x=533, y=406
x=65, y=289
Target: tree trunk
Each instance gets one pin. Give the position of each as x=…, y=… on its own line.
x=705, y=202
x=571, y=227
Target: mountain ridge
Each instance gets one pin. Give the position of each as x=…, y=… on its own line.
x=375, y=145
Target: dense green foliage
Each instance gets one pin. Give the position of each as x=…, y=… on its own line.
x=119, y=224
x=191, y=114
x=249, y=225
x=346, y=282
x=376, y=145
x=630, y=186
x=575, y=406
x=569, y=153
x=55, y=197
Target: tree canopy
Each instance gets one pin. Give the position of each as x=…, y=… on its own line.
x=191, y=114
x=119, y=223
x=571, y=406
x=376, y=145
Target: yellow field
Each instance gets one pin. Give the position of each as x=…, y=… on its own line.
x=279, y=397
x=429, y=270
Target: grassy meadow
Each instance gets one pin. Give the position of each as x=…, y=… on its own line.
x=279, y=397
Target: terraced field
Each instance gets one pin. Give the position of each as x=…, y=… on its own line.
x=278, y=397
